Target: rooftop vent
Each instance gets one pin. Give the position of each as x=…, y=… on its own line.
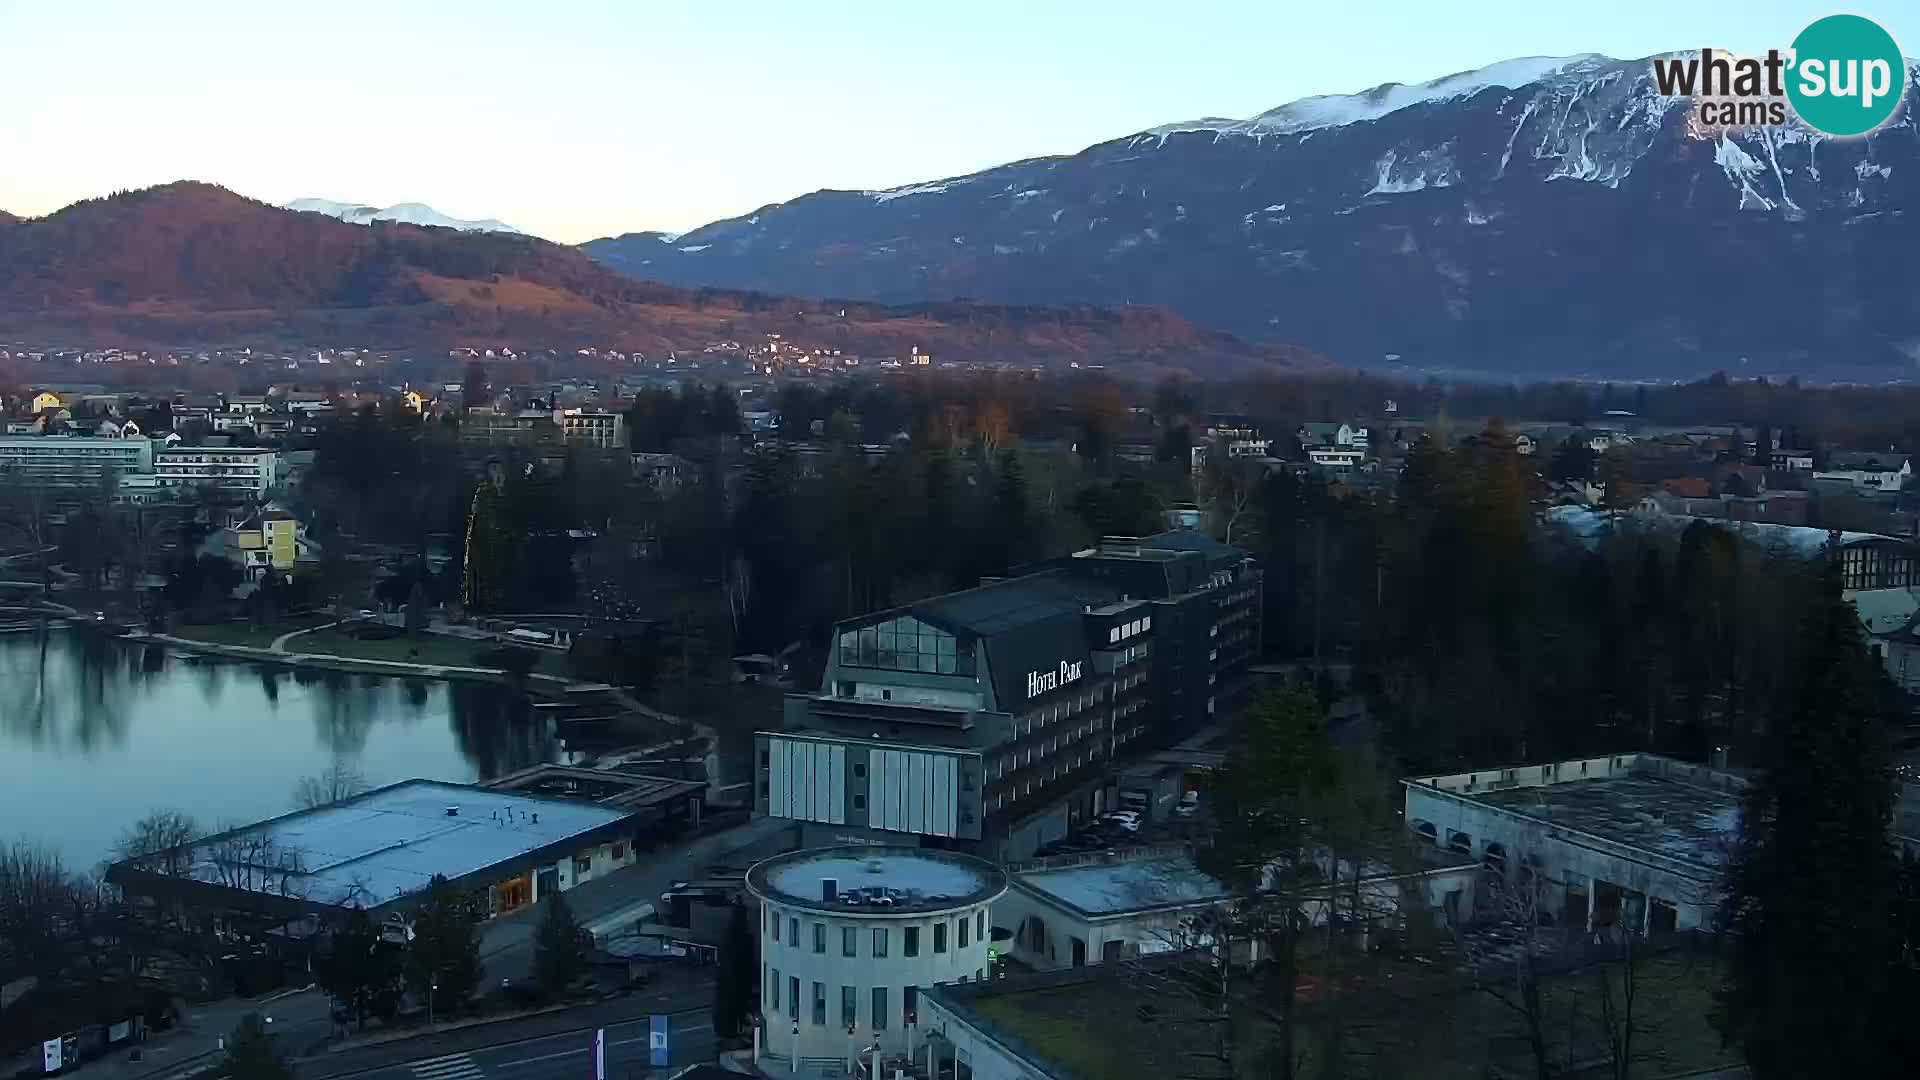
x=829, y=889
x=453, y=811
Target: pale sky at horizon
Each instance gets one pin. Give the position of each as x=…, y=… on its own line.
x=573, y=120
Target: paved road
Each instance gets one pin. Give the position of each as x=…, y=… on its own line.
x=506, y=947
x=563, y=1057
x=304, y=1018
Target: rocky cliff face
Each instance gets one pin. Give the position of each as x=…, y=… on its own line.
x=1544, y=216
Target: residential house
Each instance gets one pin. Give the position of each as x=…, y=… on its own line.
x=1784, y=460
x=269, y=540
x=1313, y=433
x=1868, y=471
x=1239, y=435
x=662, y=472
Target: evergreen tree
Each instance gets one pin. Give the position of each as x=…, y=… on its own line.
x=1007, y=518
x=559, y=947
x=444, y=958
x=1814, y=877
x=474, y=390
x=360, y=970
x=252, y=1053
x=1273, y=799
x=734, y=983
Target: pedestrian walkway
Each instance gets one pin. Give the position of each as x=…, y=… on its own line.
x=450, y=1067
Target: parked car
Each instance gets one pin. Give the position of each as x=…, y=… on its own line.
x=1125, y=819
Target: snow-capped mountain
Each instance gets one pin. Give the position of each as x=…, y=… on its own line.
x=411, y=213
x=1545, y=215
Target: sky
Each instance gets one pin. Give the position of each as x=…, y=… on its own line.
x=573, y=120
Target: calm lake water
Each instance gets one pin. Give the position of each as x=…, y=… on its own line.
x=94, y=733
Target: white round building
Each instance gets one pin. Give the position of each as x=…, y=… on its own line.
x=849, y=935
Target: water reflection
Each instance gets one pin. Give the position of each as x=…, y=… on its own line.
x=95, y=732
x=67, y=691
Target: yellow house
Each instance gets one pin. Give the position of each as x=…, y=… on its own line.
x=279, y=535
x=44, y=400
x=270, y=541
x=414, y=400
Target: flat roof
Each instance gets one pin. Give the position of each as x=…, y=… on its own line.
x=1650, y=813
x=604, y=787
x=391, y=842
x=913, y=879
x=1637, y=802
x=1104, y=889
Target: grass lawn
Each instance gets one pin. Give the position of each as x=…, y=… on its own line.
x=1418, y=1022
x=243, y=631
x=420, y=648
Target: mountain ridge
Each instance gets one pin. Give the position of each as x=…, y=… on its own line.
x=1577, y=224
x=411, y=213
x=191, y=263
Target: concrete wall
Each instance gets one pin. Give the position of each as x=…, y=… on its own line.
x=1565, y=859
x=863, y=971
x=600, y=862
x=987, y=1058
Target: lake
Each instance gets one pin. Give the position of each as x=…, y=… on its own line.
x=95, y=733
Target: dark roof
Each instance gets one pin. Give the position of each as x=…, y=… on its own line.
x=1191, y=540
x=1013, y=603
x=1027, y=623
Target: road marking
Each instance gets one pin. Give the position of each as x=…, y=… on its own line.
x=610, y=1043
x=450, y=1067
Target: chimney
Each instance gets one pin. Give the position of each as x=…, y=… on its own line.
x=829, y=889
x=453, y=811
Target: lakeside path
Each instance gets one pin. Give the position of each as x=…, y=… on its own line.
x=277, y=653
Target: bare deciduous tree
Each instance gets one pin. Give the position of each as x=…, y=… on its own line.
x=34, y=905
x=1504, y=961
x=340, y=781
x=161, y=843
x=254, y=860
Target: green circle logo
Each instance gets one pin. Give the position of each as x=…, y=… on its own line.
x=1848, y=75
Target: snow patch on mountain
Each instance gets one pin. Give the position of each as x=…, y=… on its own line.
x=1337, y=110
x=410, y=213
x=933, y=188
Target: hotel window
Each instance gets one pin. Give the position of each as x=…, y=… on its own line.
x=793, y=996
x=940, y=937
x=820, y=1004
x=773, y=990
x=619, y=851
x=859, y=802
x=1113, y=635
x=980, y=924
x=583, y=864
x=820, y=938
x=910, y=1000
x=848, y=945
x=961, y=923
x=849, y=1007
x=912, y=946
x=879, y=941
x=793, y=932
x=775, y=934
x=879, y=1008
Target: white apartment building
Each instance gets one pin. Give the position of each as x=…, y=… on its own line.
x=243, y=470
x=850, y=935
x=605, y=430
x=71, y=460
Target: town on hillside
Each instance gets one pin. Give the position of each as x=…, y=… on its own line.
x=810, y=719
